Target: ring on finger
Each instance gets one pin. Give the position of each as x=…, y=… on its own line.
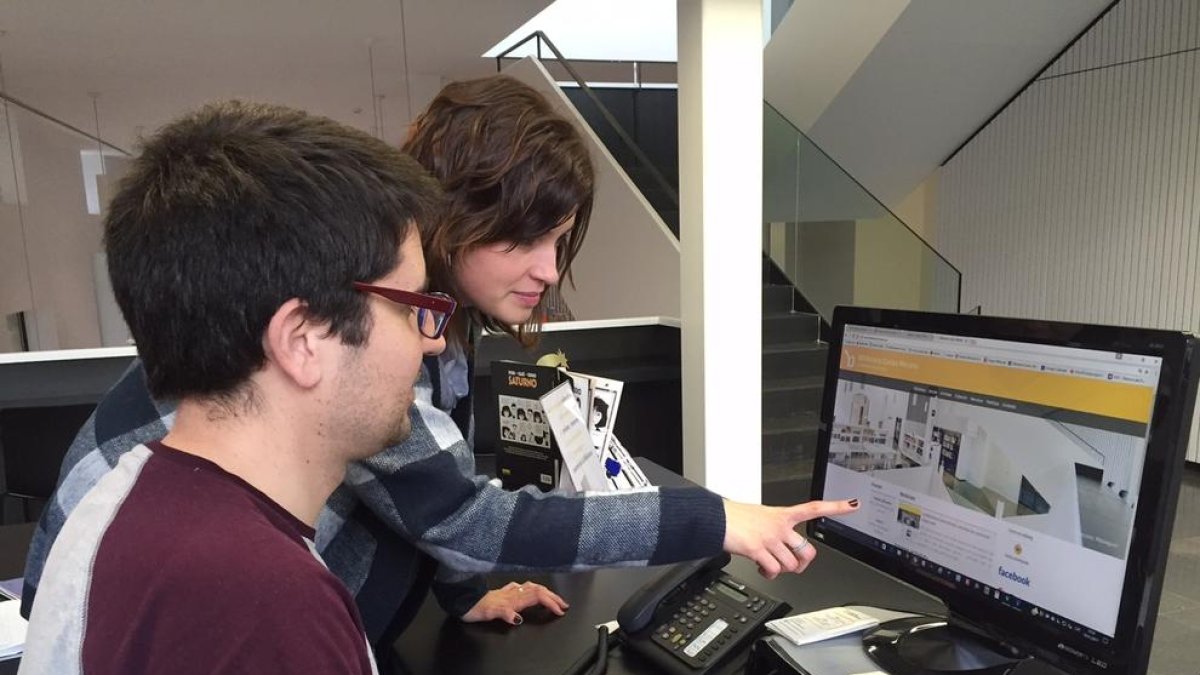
x=804, y=543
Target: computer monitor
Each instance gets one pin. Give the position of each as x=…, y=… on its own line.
x=1023, y=472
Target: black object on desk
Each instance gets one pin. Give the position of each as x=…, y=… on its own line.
x=644, y=357
x=435, y=643
x=1059, y=557
x=695, y=617
x=33, y=442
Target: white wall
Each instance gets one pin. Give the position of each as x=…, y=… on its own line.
x=629, y=266
x=15, y=294
x=629, y=263
x=1080, y=201
x=817, y=48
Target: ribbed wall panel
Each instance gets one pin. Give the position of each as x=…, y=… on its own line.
x=1131, y=31
x=1081, y=201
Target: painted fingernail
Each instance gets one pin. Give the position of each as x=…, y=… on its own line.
x=519, y=620
x=854, y=503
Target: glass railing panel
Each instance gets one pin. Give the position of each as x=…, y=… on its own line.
x=835, y=241
x=54, y=184
x=893, y=268
x=636, y=123
x=109, y=82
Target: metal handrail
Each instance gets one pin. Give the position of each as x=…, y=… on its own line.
x=661, y=180
x=4, y=96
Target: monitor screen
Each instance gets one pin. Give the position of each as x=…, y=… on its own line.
x=1024, y=472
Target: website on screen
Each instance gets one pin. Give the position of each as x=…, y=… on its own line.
x=1005, y=467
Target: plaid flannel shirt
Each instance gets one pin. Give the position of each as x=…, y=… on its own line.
x=417, y=500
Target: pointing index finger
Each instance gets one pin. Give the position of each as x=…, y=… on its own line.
x=820, y=508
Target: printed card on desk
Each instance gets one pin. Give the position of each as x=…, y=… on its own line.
x=606, y=401
x=582, y=386
x=12, y=587
x=574, y=442
x=12, y=630
x=623, y=473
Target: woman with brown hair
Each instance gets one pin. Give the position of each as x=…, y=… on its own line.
x=519, y=187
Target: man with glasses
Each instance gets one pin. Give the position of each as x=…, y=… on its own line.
x=269, y=267
x=433, y=309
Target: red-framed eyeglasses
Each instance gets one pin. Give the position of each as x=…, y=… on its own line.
x=433, y=309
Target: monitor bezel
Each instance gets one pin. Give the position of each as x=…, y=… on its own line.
x=1165, y=456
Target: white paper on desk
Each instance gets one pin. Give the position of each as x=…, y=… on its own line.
x=574, y=442
x=630, y=475
x=582, y=385
x=12, y=630
x=12, y=587
x=606, y=403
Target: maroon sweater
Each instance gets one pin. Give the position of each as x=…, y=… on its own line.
x=172, y=565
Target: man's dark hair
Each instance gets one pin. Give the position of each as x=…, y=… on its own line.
x=233, y=210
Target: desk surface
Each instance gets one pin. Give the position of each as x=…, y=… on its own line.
x=435, y=643
x=14, y=547
x=543, y=644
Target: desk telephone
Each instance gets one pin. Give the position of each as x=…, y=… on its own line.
x=695, y=616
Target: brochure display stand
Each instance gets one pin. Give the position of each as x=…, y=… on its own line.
x=555, y=430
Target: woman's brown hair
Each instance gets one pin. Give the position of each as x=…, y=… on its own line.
x=512, y=170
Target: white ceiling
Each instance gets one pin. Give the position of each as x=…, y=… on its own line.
x=150, y=61
x=613, y=30
x=938, y=72
x=889, y=107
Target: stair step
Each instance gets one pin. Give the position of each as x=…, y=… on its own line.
x=787, y=491
x=776, y=298
x=789, y=383
x=790, y=327
x=798, y=420
x=781, y=446
x=789, y=347
x=793, y=359
x=784, y=397
x=800, y=468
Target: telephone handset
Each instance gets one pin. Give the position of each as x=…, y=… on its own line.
x=695, y=616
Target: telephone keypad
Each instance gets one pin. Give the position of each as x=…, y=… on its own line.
x=703, y=623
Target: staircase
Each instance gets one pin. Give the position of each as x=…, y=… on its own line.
x=647, y=118
x=793, y=372
x=793, y=357
x=640, y=128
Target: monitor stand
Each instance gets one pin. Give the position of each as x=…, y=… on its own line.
x=926, y=644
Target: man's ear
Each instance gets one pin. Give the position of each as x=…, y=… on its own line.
x=294, y=344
